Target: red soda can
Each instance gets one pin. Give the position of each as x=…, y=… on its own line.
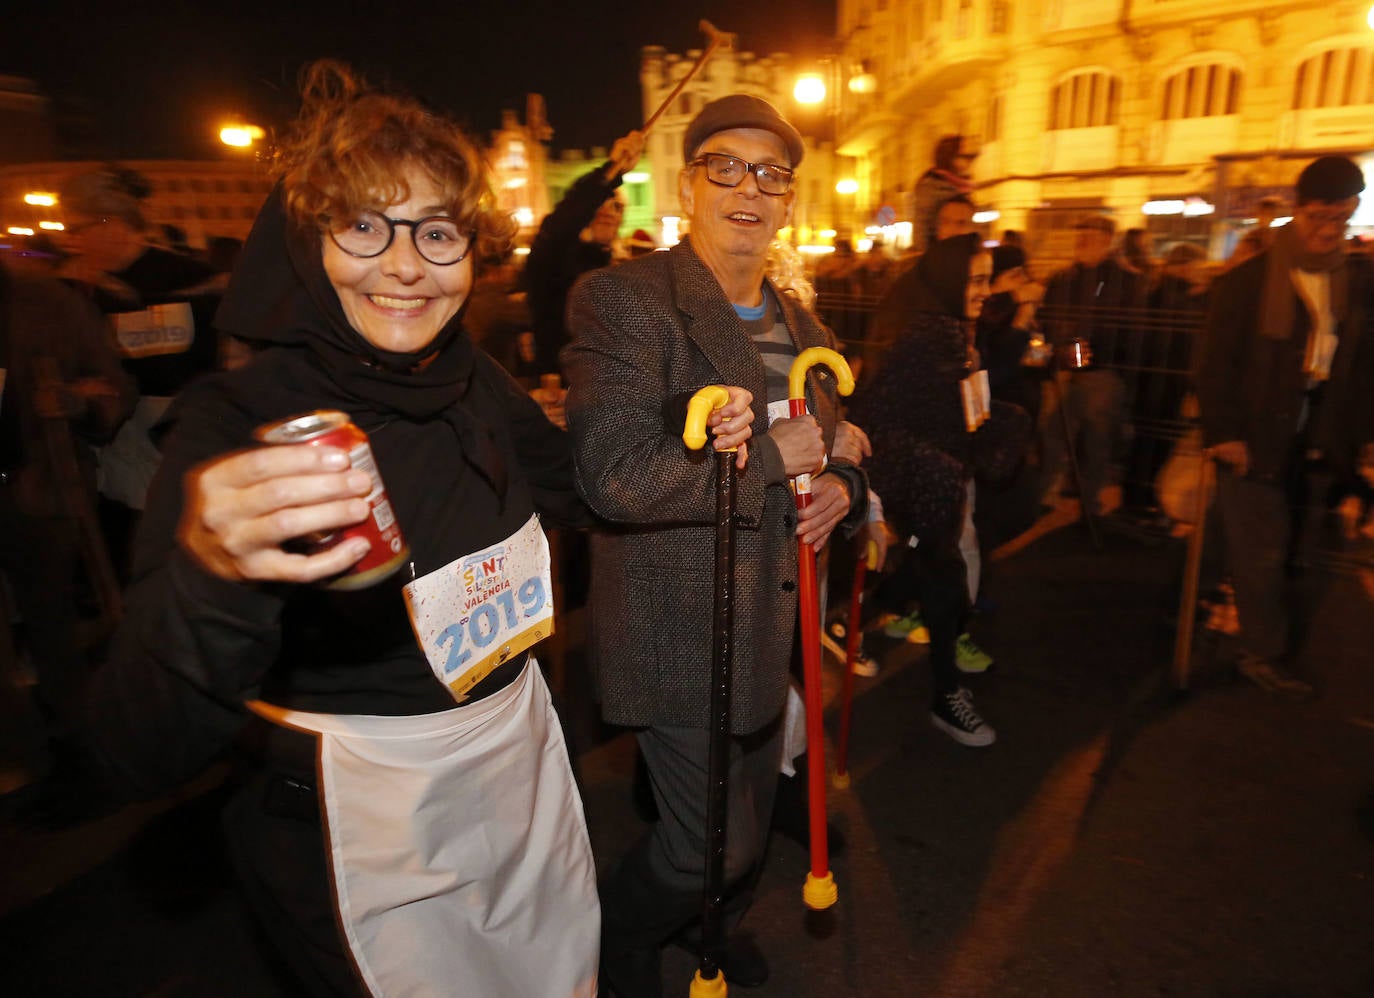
x=388, y=551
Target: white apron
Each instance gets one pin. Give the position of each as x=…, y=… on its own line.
x=458, y=847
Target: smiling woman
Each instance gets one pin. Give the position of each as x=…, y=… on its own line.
x=417, y=694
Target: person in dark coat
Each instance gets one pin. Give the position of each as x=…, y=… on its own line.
x=1287, y=375
x=413, y=788
x=929, y=440
x=574, y=238
x=1089, y=305
x=61, y=389
x=647, y=334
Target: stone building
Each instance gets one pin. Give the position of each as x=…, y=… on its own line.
x=1194, y=108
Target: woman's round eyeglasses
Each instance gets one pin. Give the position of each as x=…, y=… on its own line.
x=437, y=239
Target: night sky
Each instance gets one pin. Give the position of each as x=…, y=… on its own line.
x=157, y=80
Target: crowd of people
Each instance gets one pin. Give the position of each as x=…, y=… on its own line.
x=405, y=811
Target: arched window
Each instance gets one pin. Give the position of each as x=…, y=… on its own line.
x=1086, y=99
x=1338, y=77
x=1202, y=91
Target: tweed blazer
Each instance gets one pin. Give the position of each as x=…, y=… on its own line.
x=646, y=335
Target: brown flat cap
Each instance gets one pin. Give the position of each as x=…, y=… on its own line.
x=740, y=111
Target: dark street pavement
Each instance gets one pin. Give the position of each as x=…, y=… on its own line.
x=1120, y=838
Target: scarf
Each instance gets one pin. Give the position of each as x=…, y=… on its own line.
x=280, y=295
x=1284, y=256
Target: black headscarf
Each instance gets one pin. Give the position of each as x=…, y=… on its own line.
x=942, y=275
x=280, y=294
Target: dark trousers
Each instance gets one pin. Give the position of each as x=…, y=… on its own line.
x=935, y=573
x=656, y=891
x=277, y=843
x=1258, y=519
x=39, y=556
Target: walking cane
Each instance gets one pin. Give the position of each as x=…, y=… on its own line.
x=716, y=39
x=862, y=565
x=709, y=980
x=1187, y=605
x=819, y=892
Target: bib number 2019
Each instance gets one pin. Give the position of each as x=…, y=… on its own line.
x=488, y=621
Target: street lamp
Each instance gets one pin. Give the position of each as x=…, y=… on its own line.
x=809, y=89
x=240, y=136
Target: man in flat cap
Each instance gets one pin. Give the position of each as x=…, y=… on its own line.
x=1285, y=389
x=646, y=336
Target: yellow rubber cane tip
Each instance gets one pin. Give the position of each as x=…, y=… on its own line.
x=702, y=988
x=820, y=893
x=840, y=781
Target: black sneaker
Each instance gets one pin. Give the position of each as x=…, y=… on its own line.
x=955, y=715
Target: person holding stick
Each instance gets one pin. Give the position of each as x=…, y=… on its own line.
x=577, y=236
x=1285, y=392
x=646, y=335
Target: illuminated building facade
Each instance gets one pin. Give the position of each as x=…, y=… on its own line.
x=201, y=198
x=1204, y=106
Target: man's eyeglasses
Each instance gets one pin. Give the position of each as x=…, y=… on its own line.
x=1324, y=217
x=437, y=238
x=730, y=171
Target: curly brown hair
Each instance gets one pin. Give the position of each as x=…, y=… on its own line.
x=351, y=146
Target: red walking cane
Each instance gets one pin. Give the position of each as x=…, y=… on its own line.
x=709, y=980
x=867, y=562
x=820, y=891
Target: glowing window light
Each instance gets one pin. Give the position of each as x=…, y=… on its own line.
x=984, y=217
x=524, y=217
x=863, y=245
x=847, y=186
x=52, y=226
x=515, y=182
x=669, y=228
x=1194, y=208
x=521, y=251
x=815, y=250
x=636, y=177
x=1280, y=222
x=19, y=230
x=40, y=199
x=1162, y=208
x=826, y=234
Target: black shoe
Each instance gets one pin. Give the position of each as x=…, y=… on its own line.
x=631, y=972
x=744, y=962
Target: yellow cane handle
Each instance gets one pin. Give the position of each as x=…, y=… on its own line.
x=703, y=403
x=871, y=556
x=809, y=358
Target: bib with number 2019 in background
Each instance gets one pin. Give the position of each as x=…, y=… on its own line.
x=484, y=608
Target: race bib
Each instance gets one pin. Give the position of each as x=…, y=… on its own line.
x=481, y=610
x=157, y=330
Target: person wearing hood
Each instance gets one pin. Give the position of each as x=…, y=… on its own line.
x=1286, y=387
x=410, y=787
x=932, y=427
